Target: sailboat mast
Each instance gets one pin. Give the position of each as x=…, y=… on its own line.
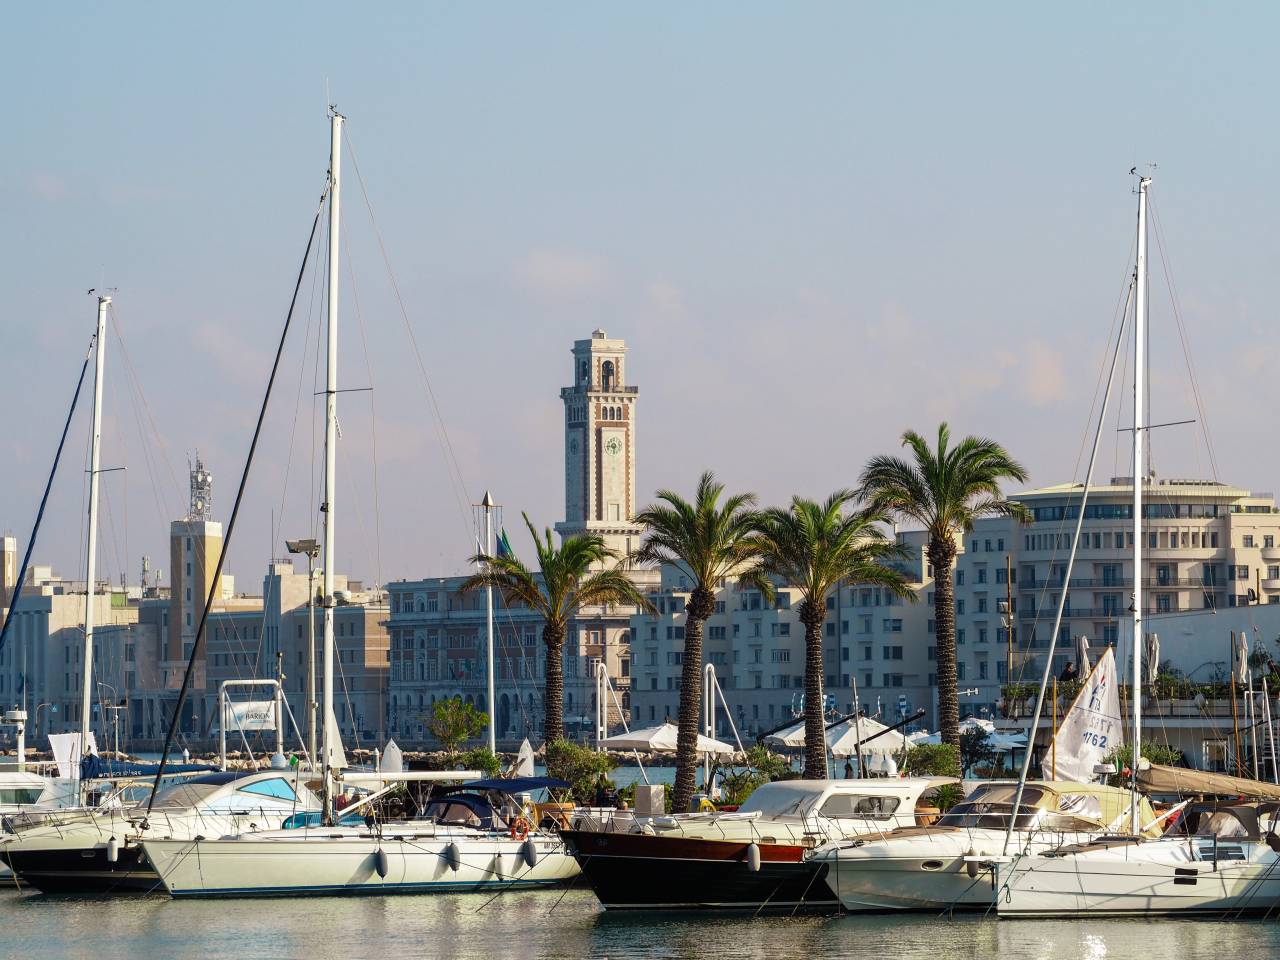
x=91, y=549
x=1139, y=477
x=331, y=448
x=488, y=606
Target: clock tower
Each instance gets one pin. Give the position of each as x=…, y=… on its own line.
x=599, y=445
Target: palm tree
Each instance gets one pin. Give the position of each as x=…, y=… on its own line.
x=564, y=584
x=944, y=490
x=814, y=547
x=707, y=540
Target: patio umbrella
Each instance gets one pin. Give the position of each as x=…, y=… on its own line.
x=1000, y=742
x=662, y=739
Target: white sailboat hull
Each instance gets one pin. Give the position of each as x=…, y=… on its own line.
x=1135, y=881
x=930, y=872
x=345, y=862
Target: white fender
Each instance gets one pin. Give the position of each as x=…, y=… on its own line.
x=380, y=862
x=753, y=857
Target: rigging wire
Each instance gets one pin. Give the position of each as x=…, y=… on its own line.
x=453, y=469
x=1184, y=339
x=44, y=500
x=235, y=511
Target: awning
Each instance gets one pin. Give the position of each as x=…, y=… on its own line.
x=662, y=739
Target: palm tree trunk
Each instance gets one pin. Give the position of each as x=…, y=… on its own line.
x=942, y=555
x=812, y=615
x=700, y=606
x=553, y=695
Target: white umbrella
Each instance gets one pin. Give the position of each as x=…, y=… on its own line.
x=662, y=739
x=1000, y=742
x=1082, y=654
x=888, y=743
x=842, y=738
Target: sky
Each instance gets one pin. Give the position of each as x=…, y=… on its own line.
x=816, y=225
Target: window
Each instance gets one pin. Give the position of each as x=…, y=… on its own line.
x=960, y=578
x=893, y=679
x=892, y=653
x=982, y=604
x=850, y=807
x=960, y=606
x=1248, y=540
x=982, y=669
x=892, y=626
x=930, y=626
x=960, y=636
x=276, y=788
x=780, y=656
x=1268, y=542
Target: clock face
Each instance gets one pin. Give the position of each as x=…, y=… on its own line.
x=614, y=446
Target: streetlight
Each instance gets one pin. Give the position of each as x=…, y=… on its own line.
x=53, y=708
x=311, y=548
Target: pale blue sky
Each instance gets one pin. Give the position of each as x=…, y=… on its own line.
x=816, y=224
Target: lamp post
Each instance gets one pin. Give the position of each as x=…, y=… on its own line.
x=311, y=548
x=116, y=712
x=53, y=708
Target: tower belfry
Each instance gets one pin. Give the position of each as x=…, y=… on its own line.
x=599, y=446
x=201, y=505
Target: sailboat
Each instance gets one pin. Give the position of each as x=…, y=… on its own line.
x=950, y=864
x=481, y=835
x=1218, y=858
x=92, y=847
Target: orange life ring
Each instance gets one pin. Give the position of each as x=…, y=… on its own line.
x=519, y=828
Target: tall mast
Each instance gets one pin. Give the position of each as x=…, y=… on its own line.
x=1139, y=477
x=331, y=446
x=91, y=565
x=488, y=505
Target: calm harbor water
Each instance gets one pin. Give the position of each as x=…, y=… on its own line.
x=556, y=923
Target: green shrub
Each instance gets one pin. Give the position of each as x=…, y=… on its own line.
x=580, y=766
x=946, y=796
x=1122, y=757
x=453, y=721
x=932, y=760
x=482, y=759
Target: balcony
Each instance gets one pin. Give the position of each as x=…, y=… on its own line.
x=1271, y=553
x=1115, y=583
x=1090, y=613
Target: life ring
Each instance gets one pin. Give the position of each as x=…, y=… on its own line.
x=519, y=828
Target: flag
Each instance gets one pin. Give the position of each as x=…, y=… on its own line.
x=504, y=545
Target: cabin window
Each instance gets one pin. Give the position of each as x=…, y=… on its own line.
x=845, y=806
x=1081, y=805
x=276, y=788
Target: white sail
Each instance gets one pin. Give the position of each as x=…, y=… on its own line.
x=333, y=743
x=67, y=752
x=1091, y=729
x=392, y=758
x=524, y=760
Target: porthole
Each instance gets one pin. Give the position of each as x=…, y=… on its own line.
x=931, y=865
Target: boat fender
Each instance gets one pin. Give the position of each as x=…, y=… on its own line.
x=1273, y=841
x=113, y=850
x=529, y=850
x=971, y=864
x=453, y=857
x=753, y=857
x=380, y=862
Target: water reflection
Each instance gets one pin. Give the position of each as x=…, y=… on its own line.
x=557, y=924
